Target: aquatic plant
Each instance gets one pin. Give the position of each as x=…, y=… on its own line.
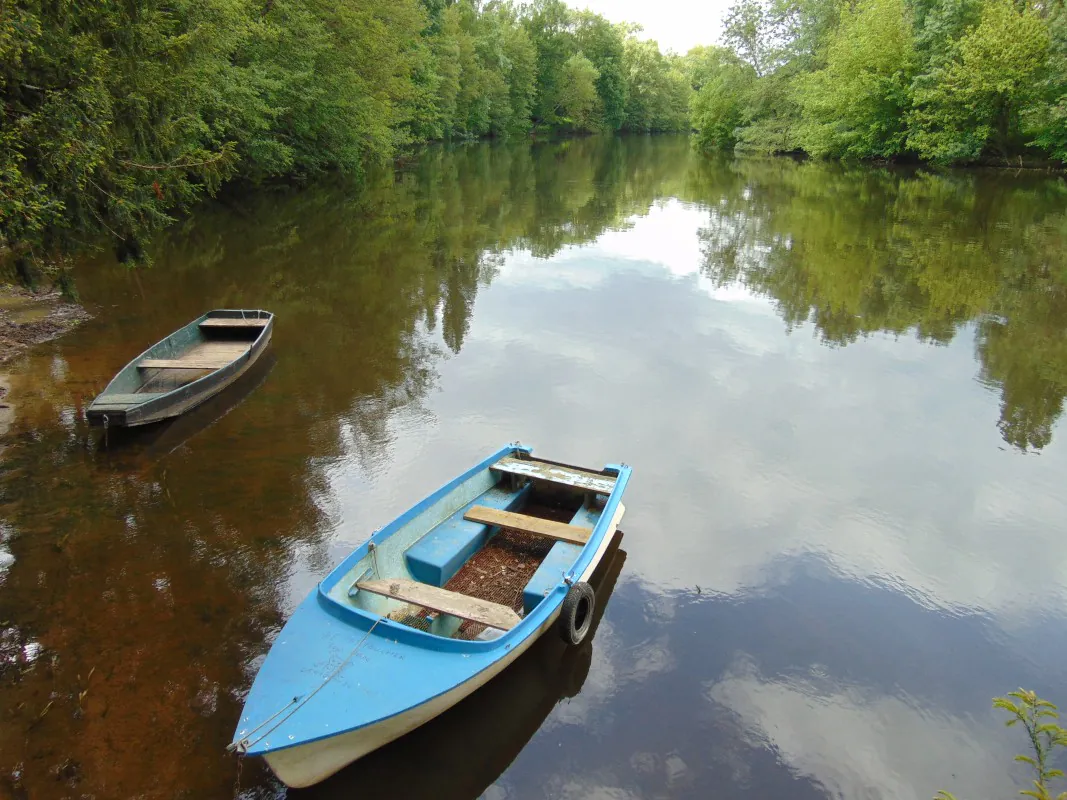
x=1038, y=718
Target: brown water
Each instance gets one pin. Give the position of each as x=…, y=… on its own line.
x=839, y=388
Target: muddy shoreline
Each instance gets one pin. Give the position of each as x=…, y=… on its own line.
x=28, y=318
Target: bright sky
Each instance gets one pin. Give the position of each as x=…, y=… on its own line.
x=676, y=24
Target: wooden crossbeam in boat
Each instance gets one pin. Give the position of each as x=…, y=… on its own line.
x=209, y=355
x=234, y=322
x=561, y=531
x=546, y=471
x=186, y=363
x=459, y=605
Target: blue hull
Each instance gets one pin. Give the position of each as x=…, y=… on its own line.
x=341, y=668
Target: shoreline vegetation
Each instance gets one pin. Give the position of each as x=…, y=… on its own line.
x=116, y=119
x=947, y=82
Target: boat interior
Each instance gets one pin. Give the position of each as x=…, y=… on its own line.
x=190, y=353
x=472, y=564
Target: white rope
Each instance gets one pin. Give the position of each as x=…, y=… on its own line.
x=244, y=744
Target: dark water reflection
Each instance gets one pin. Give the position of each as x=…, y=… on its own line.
x=840, y=390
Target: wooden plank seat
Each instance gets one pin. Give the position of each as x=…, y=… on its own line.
x=556, y=473
x=234, y=322
x=211, y=355
x=206, y=362
x=560, y=531
x=459, y=605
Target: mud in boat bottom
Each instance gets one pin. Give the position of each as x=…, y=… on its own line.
x=500, y=570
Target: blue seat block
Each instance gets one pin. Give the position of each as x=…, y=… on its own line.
x=438, y=555
x=559, y=559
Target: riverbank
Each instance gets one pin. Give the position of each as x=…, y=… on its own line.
x=28, y=318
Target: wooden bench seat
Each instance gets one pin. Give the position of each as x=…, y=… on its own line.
x=556, y=473
x=459, y=605
x=560, y=531
x=185, y=363
x=234, y=322
x=210, y=355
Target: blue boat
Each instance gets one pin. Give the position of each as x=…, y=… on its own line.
x=430, y=608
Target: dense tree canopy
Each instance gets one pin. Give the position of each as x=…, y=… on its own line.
x=115, y=116
x=950, y=81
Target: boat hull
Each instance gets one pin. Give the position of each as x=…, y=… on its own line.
x=177, y=401
x=308, y=764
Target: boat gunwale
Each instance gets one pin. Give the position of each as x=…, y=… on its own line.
x=414, y=637
x=161, y=399
x=263, y=749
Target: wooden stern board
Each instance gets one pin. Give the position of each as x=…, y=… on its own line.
x=459, y=605
x=568, y=476
x=234, y=322
x=560, y=531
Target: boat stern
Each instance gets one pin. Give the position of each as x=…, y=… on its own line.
x=118, y=410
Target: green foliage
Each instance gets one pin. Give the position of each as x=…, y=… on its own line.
x=1046, y=117
x=722, y=82
x=549, y=23
x=115, y=117
x=659, y=91
x=1038, y=718
x=855, y=105
x=971, y=105
x=602, y=43
x=747, y=33
x=578, y=96
x=951, y=81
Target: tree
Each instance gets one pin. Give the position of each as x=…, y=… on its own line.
x=602, y=43
x=548, y=23
x=1046, y=117
x=855, y=105
x=747, y=31
x=971, y=105
x=723, y=82
x=578, y=98
x=658, y=95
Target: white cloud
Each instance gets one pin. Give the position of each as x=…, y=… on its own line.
x=882, y=457
x=859, y=745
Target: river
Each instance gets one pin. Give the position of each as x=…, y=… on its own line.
x=839, y=388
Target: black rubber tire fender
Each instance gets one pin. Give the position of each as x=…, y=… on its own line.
x=576, y=614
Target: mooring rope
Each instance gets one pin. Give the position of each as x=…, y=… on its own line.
x=242, y=746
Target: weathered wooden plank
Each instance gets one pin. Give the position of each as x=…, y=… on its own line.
x=186, y=363
x=235, y=322
x=569, y=476
x=575, y=534
x=494, y=615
